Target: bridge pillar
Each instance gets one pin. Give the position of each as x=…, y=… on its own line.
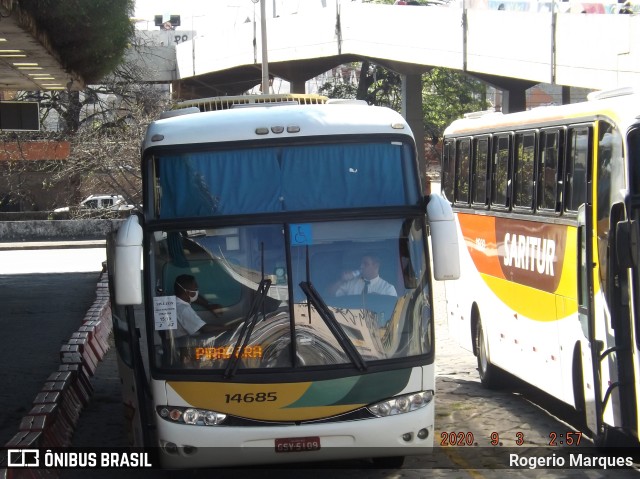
x=514, y=91
x=298, y=86
x=514, y=100
x=412, y=112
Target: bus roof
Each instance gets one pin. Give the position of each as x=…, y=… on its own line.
x=623, y=108
x=275, y=122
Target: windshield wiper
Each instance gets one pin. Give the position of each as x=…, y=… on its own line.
x=332, y=323
x=247, y=328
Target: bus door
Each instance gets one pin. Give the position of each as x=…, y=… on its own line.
x=622, y=280
x=614, y=247
x=589, y=347
x=623, y=246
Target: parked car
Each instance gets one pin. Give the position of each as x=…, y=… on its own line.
x=98, y=202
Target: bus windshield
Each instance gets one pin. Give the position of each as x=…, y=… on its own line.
x=293, y=178
x=261, y=278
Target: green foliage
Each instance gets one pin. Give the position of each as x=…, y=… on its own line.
x=338, y=90
x=379, y=86
x=446, y=96
x=90, y=36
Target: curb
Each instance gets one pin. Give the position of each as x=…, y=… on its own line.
x=56, y=408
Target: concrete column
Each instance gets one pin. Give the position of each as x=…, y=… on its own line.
x=514, y=99
x=412, y=112
x=298, y=86
x=514, y=91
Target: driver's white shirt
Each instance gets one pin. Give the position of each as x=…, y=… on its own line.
x=377, y=285
x=189, y=323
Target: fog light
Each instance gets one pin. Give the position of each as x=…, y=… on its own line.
x=189, y=450
x=171, y=448
x=407, y=436
x=423, y=433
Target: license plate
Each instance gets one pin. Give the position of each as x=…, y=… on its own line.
x=297, y=444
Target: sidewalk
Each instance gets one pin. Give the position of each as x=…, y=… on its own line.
x=53, y=244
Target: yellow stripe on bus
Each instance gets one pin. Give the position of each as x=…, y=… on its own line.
x=525, y=301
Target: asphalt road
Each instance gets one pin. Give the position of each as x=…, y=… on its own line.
x=44, y=295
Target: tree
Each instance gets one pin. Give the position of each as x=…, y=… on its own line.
x=105, y=124
x=446, y=96
x=105, y=149
x=90, y=36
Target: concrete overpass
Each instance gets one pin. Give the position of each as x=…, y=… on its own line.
x=510, y=50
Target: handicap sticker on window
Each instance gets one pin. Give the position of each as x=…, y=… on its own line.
x=300, y=234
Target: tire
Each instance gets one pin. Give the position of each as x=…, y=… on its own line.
x=489, y=374
x=391, y=462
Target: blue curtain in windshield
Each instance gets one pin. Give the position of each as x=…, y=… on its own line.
x=219, y=183
x=297, y=178
x=342, y=176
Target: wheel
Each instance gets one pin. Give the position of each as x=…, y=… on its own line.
x=489, y=374
x=391, y=462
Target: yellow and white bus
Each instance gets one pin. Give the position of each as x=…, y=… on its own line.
x=546, y=204
x=267, y=206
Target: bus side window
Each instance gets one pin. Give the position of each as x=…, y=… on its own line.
x=501, y=180
x=549, y=194
x=481, y=173
x=463, y=163
x=523, y=175
x=576, y=175
x=448, y=169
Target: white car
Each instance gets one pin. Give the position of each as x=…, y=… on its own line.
x=96, y=202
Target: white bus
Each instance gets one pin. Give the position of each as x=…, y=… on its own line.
x=547, y=207
x=266, y=207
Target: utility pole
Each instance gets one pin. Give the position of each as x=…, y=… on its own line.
x=265, y=62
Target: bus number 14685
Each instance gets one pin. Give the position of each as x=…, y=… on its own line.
x=251, y=397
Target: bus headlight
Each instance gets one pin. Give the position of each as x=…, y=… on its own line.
x=190, y=416
x=401, y=404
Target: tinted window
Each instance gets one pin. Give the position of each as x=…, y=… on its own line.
x=448, y=169
x=523, y=171
x=549, y=170
x=576, y=177
x=480, y=170
x=463, y=162
x=500, y=188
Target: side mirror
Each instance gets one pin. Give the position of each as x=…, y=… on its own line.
x=627, y=235
x=128, y=256
x=444, y=238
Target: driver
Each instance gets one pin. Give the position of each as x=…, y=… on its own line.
x=365, y=281
x=189, y=323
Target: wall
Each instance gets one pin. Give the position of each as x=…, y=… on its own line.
x=58, y=230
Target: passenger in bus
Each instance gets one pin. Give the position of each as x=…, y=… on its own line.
x=189, y=323
x=365, y=281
